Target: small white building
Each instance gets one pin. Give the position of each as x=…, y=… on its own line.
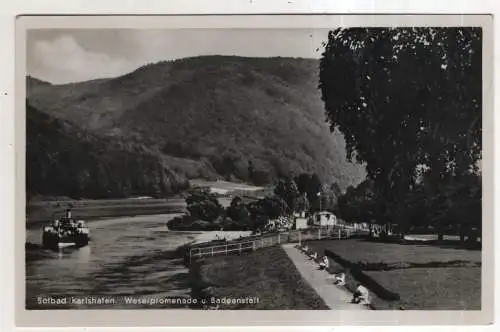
x=301, y=223
x=324, y=218
x=300, y=220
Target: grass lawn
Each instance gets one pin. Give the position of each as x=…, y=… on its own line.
x=425, y=277
x=267, y=274
x=392, y=253
x=455, y=288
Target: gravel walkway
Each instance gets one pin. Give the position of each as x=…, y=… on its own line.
x=335, y=297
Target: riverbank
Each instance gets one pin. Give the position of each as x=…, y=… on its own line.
x=265, y=279
x=43, y=211
x=207, y=236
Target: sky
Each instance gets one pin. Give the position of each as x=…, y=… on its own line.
x=62, y=55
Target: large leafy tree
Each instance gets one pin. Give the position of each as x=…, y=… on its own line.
x=302, y=180
x=237, y=210
x=287, y=190
x=204, y=205
x=309, y=185
x=264, y=209
x=314, y=190
x=359, y=204
x=404, y=98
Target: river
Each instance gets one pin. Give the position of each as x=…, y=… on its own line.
x=127, y=256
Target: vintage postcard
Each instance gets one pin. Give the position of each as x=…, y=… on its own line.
x=255, y=170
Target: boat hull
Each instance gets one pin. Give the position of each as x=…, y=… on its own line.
x=55, y=241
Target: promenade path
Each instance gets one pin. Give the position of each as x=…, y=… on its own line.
x=335, y=297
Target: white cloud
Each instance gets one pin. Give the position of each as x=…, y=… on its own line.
x=62, y=56
x=63, y=60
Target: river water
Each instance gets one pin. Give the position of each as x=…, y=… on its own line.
x=126, y=256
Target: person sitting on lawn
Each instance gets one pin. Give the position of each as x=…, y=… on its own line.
x=339, y=279
x=313, y=256
x=361, y=295
x=305, y=249
x=324, y=264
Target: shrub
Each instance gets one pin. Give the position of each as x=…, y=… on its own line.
x=204, y=205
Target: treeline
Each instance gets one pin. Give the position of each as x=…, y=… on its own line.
x=302, y=193
x=63, y=160
x=453, y=209
x=409, y=103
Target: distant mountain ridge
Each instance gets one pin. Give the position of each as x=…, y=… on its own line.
x=248, y=119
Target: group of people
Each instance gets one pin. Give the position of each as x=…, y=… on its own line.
x=381, y=230
x=323, y=263
x=277, y=224
x=361, y=294
x=67, y=224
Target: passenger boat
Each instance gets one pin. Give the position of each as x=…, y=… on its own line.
x=65, y=232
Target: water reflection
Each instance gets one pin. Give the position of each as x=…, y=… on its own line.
x=83, y=254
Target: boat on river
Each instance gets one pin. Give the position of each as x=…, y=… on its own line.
x=65, y=232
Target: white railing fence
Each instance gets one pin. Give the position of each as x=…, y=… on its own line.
x=269, y=240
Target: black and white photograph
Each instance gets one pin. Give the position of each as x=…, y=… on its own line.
x=335, y=168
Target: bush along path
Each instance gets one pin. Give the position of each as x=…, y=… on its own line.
x=336, y=298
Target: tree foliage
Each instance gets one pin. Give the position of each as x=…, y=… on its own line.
x=360, y=204
x=310, y=185
x=406, y=100
x=268, y=207
x=204, y=205
x=405, y=97
x=287, y=190
x=64, y=160
x=237, y=210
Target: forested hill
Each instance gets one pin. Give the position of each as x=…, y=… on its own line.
x=249, y=119
x=62, y=159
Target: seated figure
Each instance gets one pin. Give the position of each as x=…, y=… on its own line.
x=305, y=249
x=313, y=256
x=361, y=295
x=339, y=279
x=324, y=264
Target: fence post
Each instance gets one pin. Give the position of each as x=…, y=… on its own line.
x=299, y=238
x=253, y=245
x=212, y=250
x=319, y=233
x=189, y=256
x=339, y=234
x=239, y=248
x=226, y=249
